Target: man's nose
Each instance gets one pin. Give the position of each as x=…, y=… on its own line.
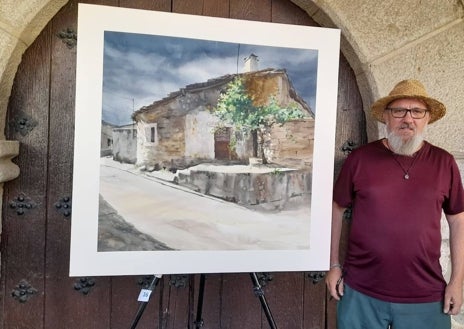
x=408, y=117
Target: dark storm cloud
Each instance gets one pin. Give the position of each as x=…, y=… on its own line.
x=139, y=69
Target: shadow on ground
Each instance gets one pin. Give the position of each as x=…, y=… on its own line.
x=115, y=234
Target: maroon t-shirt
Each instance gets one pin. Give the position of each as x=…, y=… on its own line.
x=395, y=239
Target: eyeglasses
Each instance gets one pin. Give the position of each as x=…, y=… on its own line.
x=400, y=112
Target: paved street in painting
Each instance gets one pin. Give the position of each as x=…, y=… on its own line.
x=181, y=219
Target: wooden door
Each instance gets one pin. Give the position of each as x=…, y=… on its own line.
x=221, y=144
x=36, y=291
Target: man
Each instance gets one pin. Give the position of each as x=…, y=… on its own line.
x=397, y=188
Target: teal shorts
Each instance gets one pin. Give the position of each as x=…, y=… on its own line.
x=358, y=311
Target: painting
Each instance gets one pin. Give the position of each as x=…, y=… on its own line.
x=201, y=144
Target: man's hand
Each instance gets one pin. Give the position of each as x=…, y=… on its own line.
x=334, y=282
x=453, y=299
x=453, y=292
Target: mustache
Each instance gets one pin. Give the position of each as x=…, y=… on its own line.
x=406, y=125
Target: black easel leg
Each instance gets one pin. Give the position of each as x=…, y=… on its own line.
x=199, y=321
x=258, y=290
x=143, y=305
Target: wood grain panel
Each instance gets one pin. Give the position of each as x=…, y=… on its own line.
x=124, y=307
x=23, y=237
x=314, y=304
x=187, y=7
x=176, y=304
x=64, y=304
x=160, y=5
x=212, y=306
x=285, y=297
x=258, y=10
x=216, y=8
x=240, y=307
x=351, y=120
x=288, y=13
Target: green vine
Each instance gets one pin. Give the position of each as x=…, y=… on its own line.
x=236, y=108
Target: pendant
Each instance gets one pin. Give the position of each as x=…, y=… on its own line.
x=406, y=176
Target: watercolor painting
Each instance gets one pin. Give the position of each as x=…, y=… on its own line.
x=198, y=151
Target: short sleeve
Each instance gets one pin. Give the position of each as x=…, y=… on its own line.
x=454, y=204
x=343, y=188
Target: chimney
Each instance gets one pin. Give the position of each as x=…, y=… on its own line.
x=251, y=63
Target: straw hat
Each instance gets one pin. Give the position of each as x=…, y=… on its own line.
x=409, y=89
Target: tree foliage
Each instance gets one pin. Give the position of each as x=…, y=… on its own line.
x=236, y=107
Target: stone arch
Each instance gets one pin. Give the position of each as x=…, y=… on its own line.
x=20, y=24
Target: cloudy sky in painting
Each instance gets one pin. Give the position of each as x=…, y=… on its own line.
x=140, y=69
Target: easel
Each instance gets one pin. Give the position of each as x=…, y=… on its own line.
x=143, y=300
x=145, y=294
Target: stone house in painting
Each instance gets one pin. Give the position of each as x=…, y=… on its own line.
x=181, y=130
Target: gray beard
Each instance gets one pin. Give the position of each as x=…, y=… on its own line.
x=401, y=147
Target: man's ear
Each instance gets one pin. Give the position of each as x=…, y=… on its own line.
x=427, y=117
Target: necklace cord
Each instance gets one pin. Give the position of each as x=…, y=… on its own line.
x=395, y=157
x=406, y=171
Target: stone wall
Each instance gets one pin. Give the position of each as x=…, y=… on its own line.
x=169, y=149
x=290, y=144
x=272, y=190
x=125, y=145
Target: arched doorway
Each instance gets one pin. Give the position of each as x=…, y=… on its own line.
x=37, y=205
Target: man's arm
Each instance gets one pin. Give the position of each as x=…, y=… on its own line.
x=453, y=293
x=334, y=276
